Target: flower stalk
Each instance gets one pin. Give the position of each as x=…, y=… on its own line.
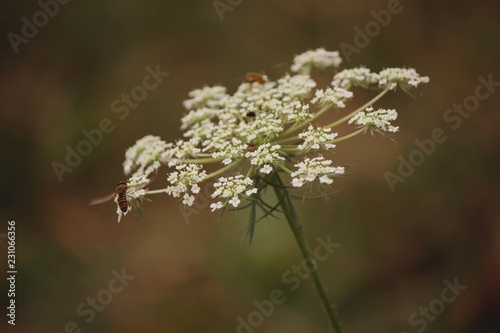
x=286, y=204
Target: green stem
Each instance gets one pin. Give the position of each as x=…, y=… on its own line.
x=308, y=121
x=284, y=168
x=192, y=160
x=293, y=221
x=294, y=148
x=163, y=190
x=348, y=136
x=224, y=169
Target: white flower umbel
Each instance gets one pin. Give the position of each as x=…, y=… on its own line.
x=296, y=86
x=228, y=151
x=316, y=138
x=207, y=96
x=143, y=155
x=232, y=188
x=198, y=116
x=265, y=127
x=405, y=77
x=316, y=168
x=378, y=120
x=360, y=76
x=181, y=152
x=319, y=59
x=265, y=154
x=335, y=96
x=138, y=182
x=185, y=180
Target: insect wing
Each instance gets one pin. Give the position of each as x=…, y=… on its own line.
x=101, y=200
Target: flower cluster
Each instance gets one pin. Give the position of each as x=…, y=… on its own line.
x=264, y=154
x=360, y=76
x=207, y=96
x=316, y=168
x=232, y=188
x=378, y=120
x=316, y=138
x=185, y=180
x=265, y=128
x=390, y=78
x=143, y=156
x=319, y=59
x=335, y=96
x=405, y=77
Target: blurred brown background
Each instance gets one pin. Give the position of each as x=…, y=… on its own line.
x=397, y=247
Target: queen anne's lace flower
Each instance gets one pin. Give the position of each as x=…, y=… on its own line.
x=185, y=180
x=316, y=138
x=198, y=116
x=228, y=150
x=138, y=181
x=233, y=188
x=144, y=155
x=296, y=86
x=335, y=96
x=265, y=154
x=181, y=150
x=260, y=125
x=319, y=58
x=379, y=119
x=316, y=168
x=405, y=77
x=256, y=135
x=360, y=76
x=207, y=96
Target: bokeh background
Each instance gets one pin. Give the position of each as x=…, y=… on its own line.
x=396, y=248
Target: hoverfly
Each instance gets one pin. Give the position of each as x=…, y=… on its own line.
x=121, y=191
x=122, y=198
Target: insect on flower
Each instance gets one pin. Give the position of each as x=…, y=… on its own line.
x=254, y=77
x=125, y=194
x=259, y=77
x=252, y=146
x=120, y=192
x=251, y=114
